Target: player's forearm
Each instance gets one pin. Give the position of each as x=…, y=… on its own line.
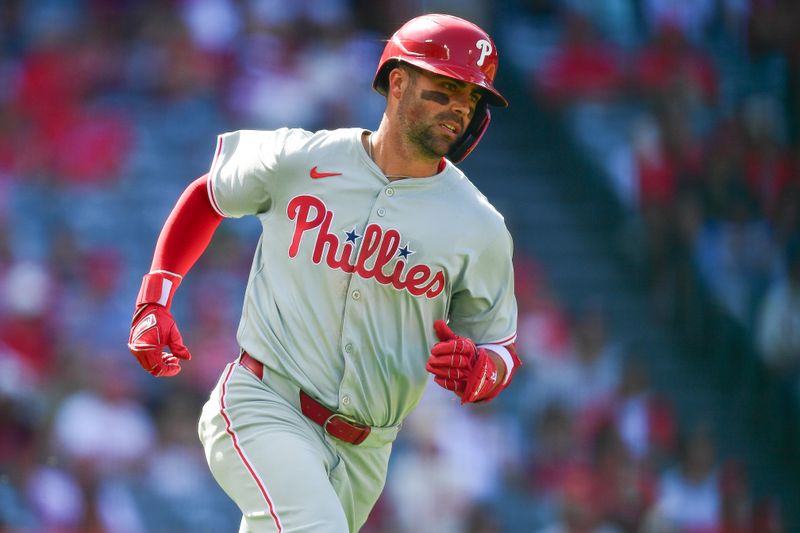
x=187, y=231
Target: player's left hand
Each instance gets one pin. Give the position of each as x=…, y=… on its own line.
x=153, y=328
x=460, y=366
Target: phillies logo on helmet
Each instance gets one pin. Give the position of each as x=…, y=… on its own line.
x=378, y=248
x=485, y=47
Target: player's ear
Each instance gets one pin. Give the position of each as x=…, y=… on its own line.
x=395, y=82
x=400, y=78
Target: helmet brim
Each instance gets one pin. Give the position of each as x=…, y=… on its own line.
x=492, y=95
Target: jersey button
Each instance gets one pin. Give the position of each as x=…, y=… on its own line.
x=389, y=192
x=381, y=211
x=356, y=294
x=345, y=400
x=348, y=347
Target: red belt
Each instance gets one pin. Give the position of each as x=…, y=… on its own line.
x=334, y=424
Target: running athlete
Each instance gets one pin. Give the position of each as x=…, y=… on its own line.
x=379, y=263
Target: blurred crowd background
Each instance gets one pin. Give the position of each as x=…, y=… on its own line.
x=683, y=114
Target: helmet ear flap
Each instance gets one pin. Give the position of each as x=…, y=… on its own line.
x=472, y=135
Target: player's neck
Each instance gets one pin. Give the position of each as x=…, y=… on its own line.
x=397, y=160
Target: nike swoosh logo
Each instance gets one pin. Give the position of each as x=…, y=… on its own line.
x=315, y=174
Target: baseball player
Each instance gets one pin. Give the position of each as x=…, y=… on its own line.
x=379, y=263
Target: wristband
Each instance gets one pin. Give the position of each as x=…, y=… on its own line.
x=158, y=287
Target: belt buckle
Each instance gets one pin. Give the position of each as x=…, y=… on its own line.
x=365, y=430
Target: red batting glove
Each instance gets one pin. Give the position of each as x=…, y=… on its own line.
x=153, y=328
x=460, y=366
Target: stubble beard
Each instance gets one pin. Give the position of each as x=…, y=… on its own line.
x=425, y=142
x=420, y=135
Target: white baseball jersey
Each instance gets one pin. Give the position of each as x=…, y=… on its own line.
x=352, y=269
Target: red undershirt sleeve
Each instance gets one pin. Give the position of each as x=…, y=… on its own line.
x=187, y=231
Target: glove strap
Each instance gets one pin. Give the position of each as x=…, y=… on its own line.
x=511, y=361
x=505, y=355
x=158, y=287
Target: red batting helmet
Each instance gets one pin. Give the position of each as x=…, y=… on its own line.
x=452, y=47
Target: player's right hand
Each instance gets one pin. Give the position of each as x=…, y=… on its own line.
x=153, y=329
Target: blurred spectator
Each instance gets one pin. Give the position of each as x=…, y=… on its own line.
x=27, y=300
x=657, y=173
x=689, y=497
x=103, y=425
x=480, y=520
x=554, y=453
x=12, y=133
x=580, y=510
x=652, y=189
x=615, y=19
x=18, y=416
x=103, y=435
x=93, y=147
x=625, y=488
x=768, y=168
x=767, y=516
x=737, y=257
x=670, y=67
x=67, y=260
x=736, y=509
x=269, y=87
x=446, y=438
x=52, y=83
x=214, y=25
x=91, y=313
x=645, y=421
x=543, y=329
x=723, y=176
x=690, y=17
x=21, y=424
x=591, y=369
x=778, y=329
x=76, y=141
x=582, y=67
x=773, y=29
x=485, y=440
x=422, y=478
x=168, y=62
x=684, y=307
x=58, y=500
x=735, y=18
x=179, y=491
x=786, y=217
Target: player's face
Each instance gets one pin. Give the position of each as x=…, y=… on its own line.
x=436, y=110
